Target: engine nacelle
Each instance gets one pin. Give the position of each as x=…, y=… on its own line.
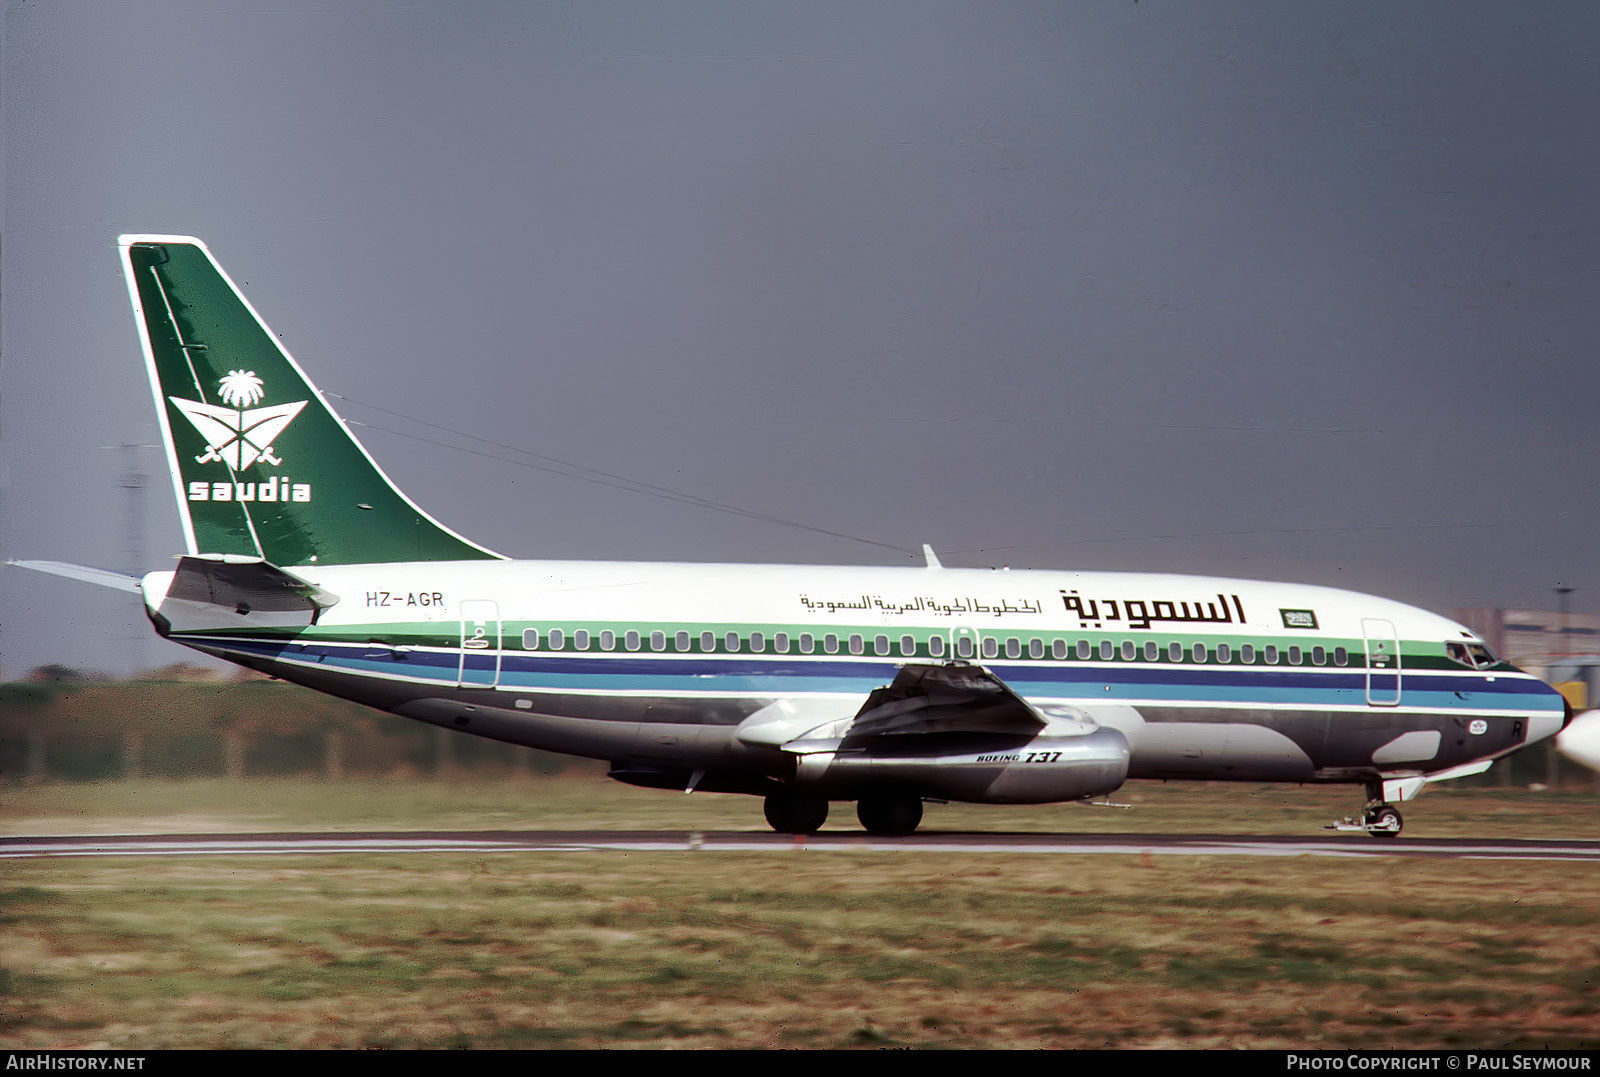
x=1067, y=761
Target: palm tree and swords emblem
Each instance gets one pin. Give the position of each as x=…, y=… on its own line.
x=238, y=435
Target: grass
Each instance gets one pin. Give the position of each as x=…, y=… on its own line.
x=847, y=949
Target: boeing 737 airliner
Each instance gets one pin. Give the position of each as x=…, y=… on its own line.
x=884, y=686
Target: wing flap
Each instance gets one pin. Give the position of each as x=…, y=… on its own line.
x=945, y=699
x=925, y=702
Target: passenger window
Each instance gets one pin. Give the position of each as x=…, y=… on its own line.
x=908, y=645
x=1105, y=650
x=530, y=640
x=1036, y=648
x=632, y=640
x=558, y=639
x=731, y=641
x=1224, y=653
x=1058, y=649
x=1294, y=656
x=991, y=647
x=1013, y=647
x=1247, y=653
x=1152, y=650
x=758, y=642
x=1341, y=657
x=708, y=641
x=964, y=648
x=1175, y=652
x=806, y=643
x=830, y=643
x=1083, y=648
x=856, y=645
x=780, y=643
x=580, y=639
x=681, y=641
x=608, y=640
x=1319, y=655
x=658, y=641
x=1198, y=652
x=936, y=646
x=1270, y=654
x=1127, y=650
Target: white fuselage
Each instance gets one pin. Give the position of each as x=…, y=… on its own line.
x=1205, y=677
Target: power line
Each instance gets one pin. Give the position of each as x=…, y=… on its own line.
x=556, y=466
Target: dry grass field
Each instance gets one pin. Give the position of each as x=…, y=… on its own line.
x=805, y=948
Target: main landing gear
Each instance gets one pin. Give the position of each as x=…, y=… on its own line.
x=1378, y=818
x=883, y=815
x=889, y=815
x=789, y=812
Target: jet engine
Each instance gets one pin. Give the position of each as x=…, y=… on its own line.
x=1066, y=761
x=948, y=732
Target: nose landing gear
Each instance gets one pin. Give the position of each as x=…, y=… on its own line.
x=1382, y=821
x=1378, y=818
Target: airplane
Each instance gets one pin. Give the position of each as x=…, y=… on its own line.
x=805, y=686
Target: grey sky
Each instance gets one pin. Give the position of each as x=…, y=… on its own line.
x=1280, y=291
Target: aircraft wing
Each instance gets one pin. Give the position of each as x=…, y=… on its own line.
x=946, y=731
x=921, y=700
x=945, y=699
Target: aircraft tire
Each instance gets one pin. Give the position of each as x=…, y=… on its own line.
x=795, y=813
x=889, y=816
x=1386, y=817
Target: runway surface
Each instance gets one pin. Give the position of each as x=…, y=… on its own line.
x=568, y=841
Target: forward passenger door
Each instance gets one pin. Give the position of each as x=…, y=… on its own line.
x=1383, y=662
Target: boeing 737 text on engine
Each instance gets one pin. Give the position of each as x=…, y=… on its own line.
x=883, y=686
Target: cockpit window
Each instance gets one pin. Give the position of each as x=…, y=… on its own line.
x=1471, y=655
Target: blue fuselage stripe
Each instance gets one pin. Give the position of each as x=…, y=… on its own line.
x=774, y=676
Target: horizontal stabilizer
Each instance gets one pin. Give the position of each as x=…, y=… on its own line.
x=246, y=586
x=100, y=577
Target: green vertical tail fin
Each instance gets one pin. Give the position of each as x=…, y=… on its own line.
x=261, y=465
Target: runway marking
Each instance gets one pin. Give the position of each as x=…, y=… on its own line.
x=70, y=845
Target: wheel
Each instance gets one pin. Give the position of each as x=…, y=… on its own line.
x=889, y=815
x=1384, y=822
x=795, y=813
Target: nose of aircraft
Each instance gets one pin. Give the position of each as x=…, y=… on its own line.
x=1580, y=741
